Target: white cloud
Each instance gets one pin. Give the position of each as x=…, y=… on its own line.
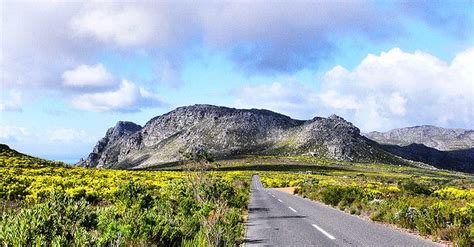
x=126, y=97
x=85, y=76
x=262, y=36
x=12, y=102
x=393, y=89
x=396, y=104
x=290, y=98
x=69, y=135
x=9, y=134
x=256, y=20
x=398, y=88
x=332, y=99
x=258, y=36
x=129, y=97
x=37, y=45
x=126, y=26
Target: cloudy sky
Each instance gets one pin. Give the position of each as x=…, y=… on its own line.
x=70, y=70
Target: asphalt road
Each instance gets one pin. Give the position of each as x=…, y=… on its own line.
x=279, y=219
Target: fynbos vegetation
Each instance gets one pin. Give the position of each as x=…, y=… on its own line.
x=64, y=206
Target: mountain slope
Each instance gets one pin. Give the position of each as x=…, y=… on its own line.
x=226, y=132
x=443, y=148
x=431, y=136
x=459, y=160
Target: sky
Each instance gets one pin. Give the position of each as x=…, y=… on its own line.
x=69, y=70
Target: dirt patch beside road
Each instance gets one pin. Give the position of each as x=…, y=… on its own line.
x=289, y=190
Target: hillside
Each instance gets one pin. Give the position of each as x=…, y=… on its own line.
x=442, y=139
x=228, y=132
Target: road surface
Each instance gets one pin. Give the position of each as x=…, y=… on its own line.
x=277, y=218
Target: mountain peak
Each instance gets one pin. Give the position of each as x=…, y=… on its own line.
x=212, y=109
x=121, y=128
x=335, y=117
x=124, y=126
x=226, y=132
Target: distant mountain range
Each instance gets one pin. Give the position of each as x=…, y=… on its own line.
x=227, y=132
x=451, y=149
x=431, y=136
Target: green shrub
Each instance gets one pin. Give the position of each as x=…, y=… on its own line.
x=58, y=221
x=132, y=194
x=332, y=195
x=344, y=196
x=406, y=215
x=171, y=217
x=415, y=188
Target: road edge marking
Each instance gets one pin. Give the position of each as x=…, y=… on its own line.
x=323, y=232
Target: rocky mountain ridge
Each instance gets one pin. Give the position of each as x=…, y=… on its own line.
x=226, y=132
x=442, y=139
x=441, y=147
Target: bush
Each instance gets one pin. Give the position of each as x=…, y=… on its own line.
x=344, y=196
x=60, y=220
x=133, y=195
x=406, y=215
x=415, y=188
x=138, y=216
x=332, y=195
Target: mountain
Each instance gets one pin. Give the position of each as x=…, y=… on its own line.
x=226, y=132
x=440, y=147
x=459, y=160
x=431, y=136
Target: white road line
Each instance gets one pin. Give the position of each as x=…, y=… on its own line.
x=280, y=200
x=292, y=209
x=324, y=232
x=273, y=195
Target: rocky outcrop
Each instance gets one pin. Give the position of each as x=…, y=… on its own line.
x=226, y=132
x=108, y=148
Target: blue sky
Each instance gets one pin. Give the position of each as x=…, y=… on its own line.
x=69, y=71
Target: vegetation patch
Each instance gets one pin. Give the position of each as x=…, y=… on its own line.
x=203, y=204
x=51, y=205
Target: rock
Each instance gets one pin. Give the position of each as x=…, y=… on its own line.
x=107, y=149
